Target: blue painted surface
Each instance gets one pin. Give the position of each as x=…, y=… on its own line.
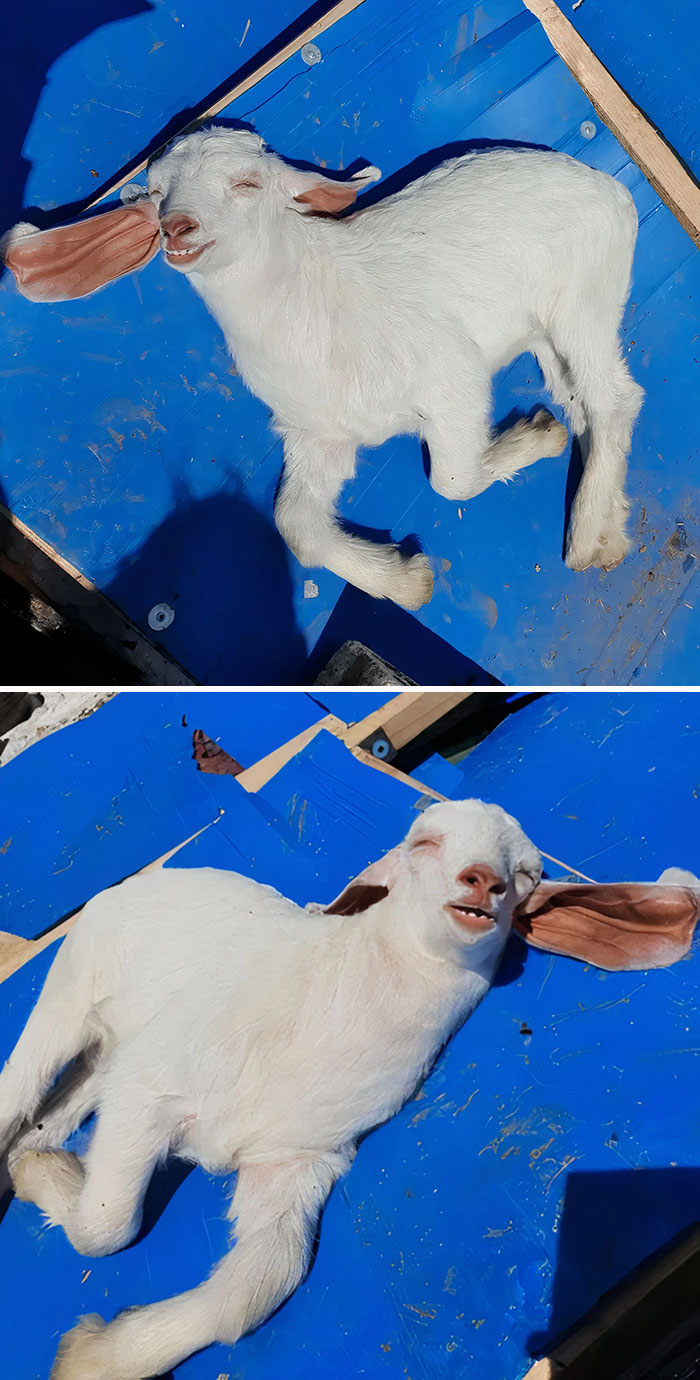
x=534, y=1170
x=81, y=810
x=651, y=51
x=131, y=445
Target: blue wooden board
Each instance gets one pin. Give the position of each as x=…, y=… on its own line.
x=84, y=808
x=651, y=51
x=534, y=1170
x=132, y=446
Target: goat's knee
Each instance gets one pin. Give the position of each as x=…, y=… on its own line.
x=56, y=1182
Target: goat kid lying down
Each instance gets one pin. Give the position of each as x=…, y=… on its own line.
x=238, y=1031
x=392, y=319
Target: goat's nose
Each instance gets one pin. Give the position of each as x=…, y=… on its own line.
x=177, y=225
x=483, y=883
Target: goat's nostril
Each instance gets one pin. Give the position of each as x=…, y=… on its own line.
x=483, y=879
x=178, y=225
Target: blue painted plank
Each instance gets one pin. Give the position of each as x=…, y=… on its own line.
x=97, y=88
x=651, y=52
x=104, y=797
x=462, y=1237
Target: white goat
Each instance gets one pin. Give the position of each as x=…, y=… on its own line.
x=391, y=319
x=238, y=1031
x=394, y=319
x=223, y=1024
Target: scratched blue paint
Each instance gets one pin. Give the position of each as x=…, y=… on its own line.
x=461, y=1240
x=132, y=447
x=650, y=52
x=81, y=810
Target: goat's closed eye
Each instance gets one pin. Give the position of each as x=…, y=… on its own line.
x=245, y=184
x=425, y=843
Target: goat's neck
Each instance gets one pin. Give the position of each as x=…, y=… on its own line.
x=439, y=990
x=280, y=278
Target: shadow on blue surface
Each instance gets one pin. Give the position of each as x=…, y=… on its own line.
x=396, y=636
x=604, y=1217
x=244, y=596
x=188, y=115
x=36, y=36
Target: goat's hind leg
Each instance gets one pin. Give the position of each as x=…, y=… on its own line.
x=314, y=473
x=58, y=1029
x=597, y=533
x=98, y=1199
x=275, y=1210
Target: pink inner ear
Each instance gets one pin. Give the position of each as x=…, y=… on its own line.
x=328, y=198
x=616, y=926
x=74, y=260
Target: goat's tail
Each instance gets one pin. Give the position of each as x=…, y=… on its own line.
x=58, y=1028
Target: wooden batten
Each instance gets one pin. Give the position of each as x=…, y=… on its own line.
x=405, y=717
x=45, y=575
x=660, y=164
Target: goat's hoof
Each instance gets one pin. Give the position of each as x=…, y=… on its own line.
x=603, y=551
x=554, y=435
x=82, y=1354
x=412, y=587
x=26, y=1171
x=38, y=1176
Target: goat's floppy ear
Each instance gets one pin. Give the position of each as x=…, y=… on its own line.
x=370, y=886
x=326, y=196
x=617, y=926
x=73, y=260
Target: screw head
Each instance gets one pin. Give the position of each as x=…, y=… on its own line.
x=588, y=129
x=311, y=54
x=380, y=748
x=160, y=617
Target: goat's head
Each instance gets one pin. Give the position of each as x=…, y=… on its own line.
x=454, y=882
x=466, y=872
x=215, y=191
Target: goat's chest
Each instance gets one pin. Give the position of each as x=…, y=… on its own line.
x=335, y=384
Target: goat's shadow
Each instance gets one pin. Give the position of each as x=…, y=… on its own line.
x=222, y=567
x=34, y=38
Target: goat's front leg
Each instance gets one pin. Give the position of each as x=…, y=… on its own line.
x=314, y=473
x=275, y=1210
x=465, y=456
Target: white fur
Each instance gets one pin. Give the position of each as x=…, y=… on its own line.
x=230, y=1027
x=394, y=319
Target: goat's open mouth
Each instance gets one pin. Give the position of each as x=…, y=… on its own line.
x=182, y=258
x=471, y=917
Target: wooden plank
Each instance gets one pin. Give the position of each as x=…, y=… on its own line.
x=609, y=1314
x=406, y=716
x=657, y=160
x=32, y=563
x=311, y=32
x=255, y=777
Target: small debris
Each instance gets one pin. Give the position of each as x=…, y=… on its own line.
x=212, y=758
x=310, y=589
